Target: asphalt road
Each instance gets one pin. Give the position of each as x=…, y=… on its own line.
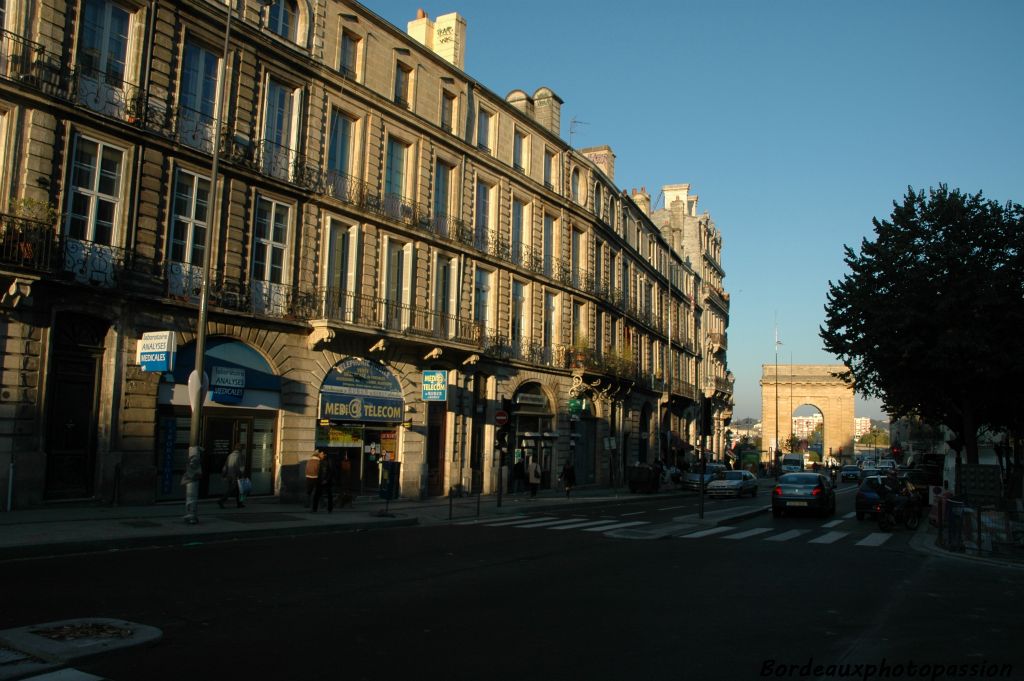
x=539, y=599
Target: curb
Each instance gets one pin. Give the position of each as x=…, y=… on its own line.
x=178, y=540
x=924, y=542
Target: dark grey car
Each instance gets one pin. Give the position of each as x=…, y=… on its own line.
x=803, y=492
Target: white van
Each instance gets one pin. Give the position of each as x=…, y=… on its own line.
x=792, y=463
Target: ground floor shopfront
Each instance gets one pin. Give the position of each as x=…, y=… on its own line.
x=99, y=428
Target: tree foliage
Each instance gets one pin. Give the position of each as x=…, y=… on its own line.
x=929, y=317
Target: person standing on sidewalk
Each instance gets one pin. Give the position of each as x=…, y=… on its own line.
x=518, y=475
x=234, y=468
x=533, y=477
x=312, y=475
x=325, y=483
x=568, y=477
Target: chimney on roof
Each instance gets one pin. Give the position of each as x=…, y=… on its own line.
x=643, y=200
x=603, y=157
x=547, y=108
x=446, y=36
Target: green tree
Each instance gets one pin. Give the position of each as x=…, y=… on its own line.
x=875, y=437
x=928, y=317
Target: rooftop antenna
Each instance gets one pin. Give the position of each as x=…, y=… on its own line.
x=572, y=127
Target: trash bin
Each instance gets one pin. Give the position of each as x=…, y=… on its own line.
x=389, y=480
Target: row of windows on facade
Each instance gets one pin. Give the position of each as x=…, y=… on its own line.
x=105, y=51
x=95, y=204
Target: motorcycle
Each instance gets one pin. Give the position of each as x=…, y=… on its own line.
x=905, y=509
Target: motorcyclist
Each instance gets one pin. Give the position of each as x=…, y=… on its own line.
x=894, y=489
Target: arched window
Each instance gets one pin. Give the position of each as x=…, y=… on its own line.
x=283, y=18
x=597, y=199
x=575, y=185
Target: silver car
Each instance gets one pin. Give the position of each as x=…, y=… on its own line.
x=733, y=484
x=694, y=479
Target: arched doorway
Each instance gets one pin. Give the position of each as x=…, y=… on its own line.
x=533, y=429
x=361, y=411
x=241, y=409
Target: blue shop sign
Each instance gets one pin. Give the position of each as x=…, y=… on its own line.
x=227, y=385
x=358, y=390
x=435, y=385
x=155, y=351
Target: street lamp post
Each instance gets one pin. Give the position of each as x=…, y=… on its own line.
x=778, y=445
x=198, y=382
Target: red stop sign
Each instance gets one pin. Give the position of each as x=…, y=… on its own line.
x=500, y=417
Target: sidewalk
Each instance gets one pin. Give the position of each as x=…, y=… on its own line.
x=66, y=529
x=62, y=529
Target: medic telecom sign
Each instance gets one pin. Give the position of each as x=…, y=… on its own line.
x=357, y=390
x=435, y=386
x=155, y=351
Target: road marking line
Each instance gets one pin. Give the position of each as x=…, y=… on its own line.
x=833, y=523
x=787, y=535
x=874, y=539
x=851, y=514
x=672, y=508
x=562, y=523
x=829, y=538
x=749, y=533
x=616, y=526
x=543, y=523
x=706, y=533
x=582, y=524
x=517, y=521
x=626, y=515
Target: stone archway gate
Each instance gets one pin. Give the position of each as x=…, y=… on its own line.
x=792, y=385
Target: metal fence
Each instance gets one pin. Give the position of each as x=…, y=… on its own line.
x=981, y=531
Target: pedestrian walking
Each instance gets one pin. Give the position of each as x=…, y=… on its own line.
x=518, y=476
x=324, y=483
x=233, y=470
x=533, y=477
x=312, y=475
x=568, y=477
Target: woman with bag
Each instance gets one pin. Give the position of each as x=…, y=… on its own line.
x=233, y=473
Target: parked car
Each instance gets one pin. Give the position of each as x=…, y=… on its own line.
x=693, y=478
x=849, y=473
x=886, y=464
x=803, y=492
x=733, y=484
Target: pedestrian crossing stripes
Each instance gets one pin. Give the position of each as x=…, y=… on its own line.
x=550, y=523
x=828, y=538
x=824, y=535
x=874, y=539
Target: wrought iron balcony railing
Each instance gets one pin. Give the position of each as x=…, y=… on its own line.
x=27, y=244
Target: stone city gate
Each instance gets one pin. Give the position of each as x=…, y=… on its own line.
x=786, y=387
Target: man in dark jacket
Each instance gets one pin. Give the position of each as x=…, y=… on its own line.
x=324, y=483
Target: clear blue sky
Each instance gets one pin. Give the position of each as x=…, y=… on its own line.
x=795, y=122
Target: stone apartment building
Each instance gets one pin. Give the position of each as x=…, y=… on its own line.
x=378, y=216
